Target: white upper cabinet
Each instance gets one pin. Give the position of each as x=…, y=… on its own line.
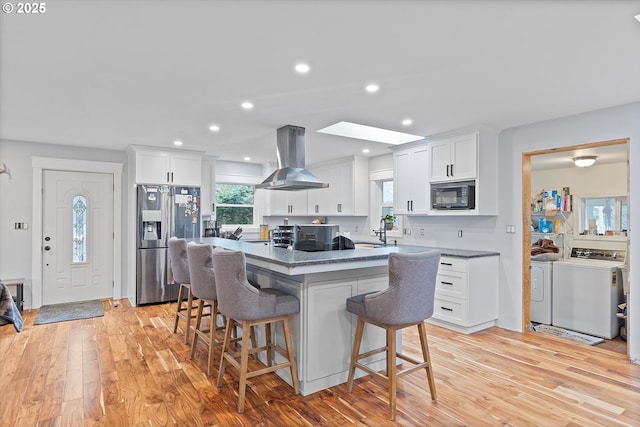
x=411, y=180
x=454, y=158
x=167, y=167
x=348, y=192
x=285, y=203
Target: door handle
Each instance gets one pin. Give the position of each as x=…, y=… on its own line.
x=47, y=248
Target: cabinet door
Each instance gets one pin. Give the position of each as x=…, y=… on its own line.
x=319, y=199
x=185, y=169
x=152, y=167
x=465, y=156
x=420, y=180
x=278, y=202
x=328, y=329
x=297, y=202
x=440, y=160
x=343, y=190
x=403, y=182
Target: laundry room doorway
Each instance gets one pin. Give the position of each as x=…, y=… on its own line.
x=555, y=168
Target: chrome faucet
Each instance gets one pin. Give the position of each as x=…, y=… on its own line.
x=382, y=232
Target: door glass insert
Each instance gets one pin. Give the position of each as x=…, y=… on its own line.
x=79, y=228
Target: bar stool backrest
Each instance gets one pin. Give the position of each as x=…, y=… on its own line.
x=179, y=261
x=203, y=281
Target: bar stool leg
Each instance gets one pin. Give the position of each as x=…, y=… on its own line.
x=355, y=353
x=244, y=366
x=178, y=307
x=188, y=317
x=225, y=347
x=427, y=358
x=292, y=360
x=391, y=370
x=198, y=322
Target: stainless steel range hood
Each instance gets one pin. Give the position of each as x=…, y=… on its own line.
x=291, y=174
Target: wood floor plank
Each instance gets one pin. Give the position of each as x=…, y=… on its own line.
x=128, y=368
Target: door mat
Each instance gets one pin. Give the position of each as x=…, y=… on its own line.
x=70, y=311
x=565, y=333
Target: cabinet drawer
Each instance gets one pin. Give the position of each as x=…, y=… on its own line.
x=453, y=264
x=452, y=283
x=453, y=311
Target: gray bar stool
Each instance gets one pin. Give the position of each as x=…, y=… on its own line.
x=203, y=287
x=180, y=269
x=250, y=307
x=407, y=301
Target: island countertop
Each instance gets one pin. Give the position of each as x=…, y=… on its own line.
x=299, y=262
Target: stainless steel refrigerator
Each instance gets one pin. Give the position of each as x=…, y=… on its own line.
x=162, y=212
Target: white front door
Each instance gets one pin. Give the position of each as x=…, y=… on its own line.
x=77, y=238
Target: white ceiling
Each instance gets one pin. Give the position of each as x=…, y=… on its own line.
x=112, y=73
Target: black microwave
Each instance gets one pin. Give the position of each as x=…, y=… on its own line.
x=453, y=195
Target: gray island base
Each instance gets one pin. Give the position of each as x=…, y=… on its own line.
x=323, y=331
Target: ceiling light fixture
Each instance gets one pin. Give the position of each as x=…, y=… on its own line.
x=247, y=105
x=584, y=161
x=302, y=68
x=247, y=158
x=372, y=88
x=369, y=133
x=365, y=150
x=176, y=142
x=214, y=128
x=407, y=122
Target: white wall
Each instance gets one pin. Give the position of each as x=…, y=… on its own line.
x=603, y=125
x=15, y=203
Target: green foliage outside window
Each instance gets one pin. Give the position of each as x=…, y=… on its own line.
x=234, y=203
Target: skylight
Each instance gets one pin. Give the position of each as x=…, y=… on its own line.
x=369, y=133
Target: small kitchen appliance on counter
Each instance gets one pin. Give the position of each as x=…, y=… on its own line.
x=315, y=237
x=283, y=236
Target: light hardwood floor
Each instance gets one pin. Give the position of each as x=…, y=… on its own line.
x=128, y=369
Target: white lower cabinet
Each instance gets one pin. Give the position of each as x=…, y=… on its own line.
x=328, y=331
x=466, y=298
x=324, y=330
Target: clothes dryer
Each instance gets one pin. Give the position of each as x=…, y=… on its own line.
x=541, y=291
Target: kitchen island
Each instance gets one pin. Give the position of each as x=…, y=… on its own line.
x=323, y=331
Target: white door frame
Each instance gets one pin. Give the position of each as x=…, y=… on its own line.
x=43, y=163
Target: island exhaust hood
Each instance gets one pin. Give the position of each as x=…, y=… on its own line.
x=291, y=174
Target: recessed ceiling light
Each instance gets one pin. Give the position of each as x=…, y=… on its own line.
x=365, y=150
x=247, y=158
x=176, y=142
x=369, y=133
x=407, y=122
x=302, y=68
x=247, y=105
x=372, y=88
x=214, y=128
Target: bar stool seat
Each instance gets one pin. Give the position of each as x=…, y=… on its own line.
x=407, y=301
x=180, y=270
x=239, y=301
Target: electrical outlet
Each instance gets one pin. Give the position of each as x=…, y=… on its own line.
x=21, y=226
x=422, y=231
x=459, y=233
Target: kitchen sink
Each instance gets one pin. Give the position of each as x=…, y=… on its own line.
x=368, y=245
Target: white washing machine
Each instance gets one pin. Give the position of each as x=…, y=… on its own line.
x=586, y=292
x=541, y=291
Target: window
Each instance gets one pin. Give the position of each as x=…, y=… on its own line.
x=599, y=215
x=79, y=228
x=387, y=201
x=235, y=203
x=381, y=202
